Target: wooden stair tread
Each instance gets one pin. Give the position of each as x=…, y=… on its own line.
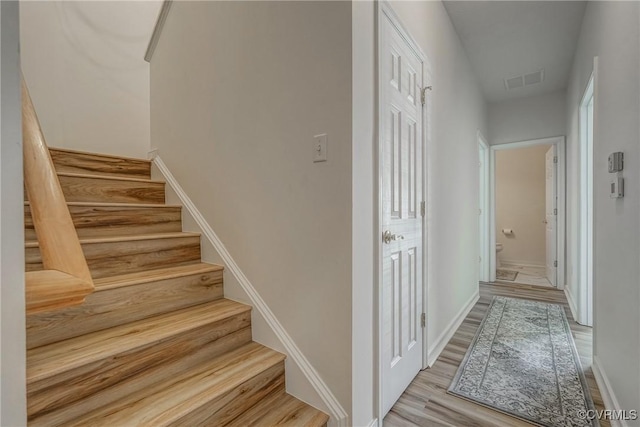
x=109, y=177
x=87, y=153
x=48, y=290
x=52, y=359
x=167, y=402
x=137, y=278
x=126, y=238
x=281, y=409
x=118, y=205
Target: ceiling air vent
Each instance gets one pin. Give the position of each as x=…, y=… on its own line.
x=524, y=80
x=514, y=83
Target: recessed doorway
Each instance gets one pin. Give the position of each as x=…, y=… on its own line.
x=527, y=212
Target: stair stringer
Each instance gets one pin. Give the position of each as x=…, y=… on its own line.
x=302, y=380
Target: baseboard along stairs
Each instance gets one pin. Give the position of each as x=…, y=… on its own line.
x=156, y=343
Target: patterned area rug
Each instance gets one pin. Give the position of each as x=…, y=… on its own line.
x=523, y=362
x=506, y=275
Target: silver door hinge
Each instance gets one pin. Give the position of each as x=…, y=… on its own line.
x=423, y=208
x=423, y=94
x=423, y=320
x=555, y=211
x=555, y=263
x=555, y=159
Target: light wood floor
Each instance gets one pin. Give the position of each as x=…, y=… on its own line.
x=426, y=402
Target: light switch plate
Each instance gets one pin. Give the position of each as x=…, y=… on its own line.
x=320, y=143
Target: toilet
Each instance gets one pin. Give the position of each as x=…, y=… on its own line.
x=498, y=250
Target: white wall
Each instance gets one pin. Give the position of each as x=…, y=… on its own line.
x=84, y=64
x=12, y=305
x=520, y=204
x=458, y=112
x=238, y=90
x=363, y=348
x=610, y=31
x=525, y=119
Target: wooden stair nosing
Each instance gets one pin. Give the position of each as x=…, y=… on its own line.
x=126, y=238
x=198, y=393
x=109, y=178
x=166, y=373
x=127, y=298
x=124, y=205
x=53, y=359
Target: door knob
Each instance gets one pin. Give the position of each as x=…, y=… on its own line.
x=387, y=237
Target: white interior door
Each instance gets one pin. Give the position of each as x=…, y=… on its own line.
x=402, y=194
x=551, y=214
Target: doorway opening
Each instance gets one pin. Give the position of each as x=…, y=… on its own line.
x=527, y=212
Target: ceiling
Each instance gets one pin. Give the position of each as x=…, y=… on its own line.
x=504, y=39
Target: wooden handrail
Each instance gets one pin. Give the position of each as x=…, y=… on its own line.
x=59, y=244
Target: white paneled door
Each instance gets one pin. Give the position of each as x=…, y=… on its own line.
x=551, y=214
x=402, y=223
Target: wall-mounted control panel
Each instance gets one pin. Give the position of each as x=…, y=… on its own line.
x=617, y=188
x=616, y=162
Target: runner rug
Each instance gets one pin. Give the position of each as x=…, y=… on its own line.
x=523, y=362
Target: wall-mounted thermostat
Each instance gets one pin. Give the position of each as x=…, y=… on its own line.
x=617, y=188
x=616, y=161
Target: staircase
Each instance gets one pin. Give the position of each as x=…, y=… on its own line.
x=156, y=343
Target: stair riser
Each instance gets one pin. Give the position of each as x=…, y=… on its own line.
x=114, y=258
x=113, y=307
x=87, y=189
x=95, y=164
x=150, y=361
x=107, y=221
x=221, y=411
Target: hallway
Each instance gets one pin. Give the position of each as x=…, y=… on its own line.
x=426, y=402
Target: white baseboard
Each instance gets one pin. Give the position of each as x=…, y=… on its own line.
x=608, y=396
x=572, y=303
x=337, y=412
x=440, y=343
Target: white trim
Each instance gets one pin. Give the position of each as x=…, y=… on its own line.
x=157, y=29
x=559, y=142
x=385, y=9
x=373, y=423
x=572, y=303
x=441, y=342
x=585, y=205
x=606, y=391
x=338, y=413
x=485, y=246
